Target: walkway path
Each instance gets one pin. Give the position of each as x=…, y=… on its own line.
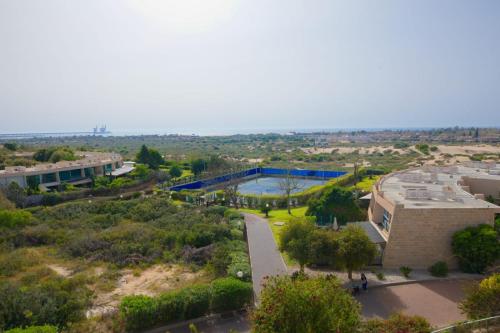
x=437, y=301
x=265, y=257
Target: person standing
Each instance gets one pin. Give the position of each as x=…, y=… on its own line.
x=364, y=281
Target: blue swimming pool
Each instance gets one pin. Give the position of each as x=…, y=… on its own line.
x=270, y=185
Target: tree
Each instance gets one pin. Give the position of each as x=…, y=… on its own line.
x=143, y=155
x=324, y=247
x=483, y=300
x=16, y=194
x=295, y=240
x=305, y=305
x=12, y=146
x=288, y=185
x=198, y=166
x=476, y=248
x=175, y=171
x=231, y=188
x=356, y=250
x=335, y=202
x=150, y=157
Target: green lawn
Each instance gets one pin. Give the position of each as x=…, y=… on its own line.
x=279, y=215
x=365, y=184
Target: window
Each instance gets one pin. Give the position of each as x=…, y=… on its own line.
x=89, y=172
x=70, y=175
x=49, y=178
x=386, y=220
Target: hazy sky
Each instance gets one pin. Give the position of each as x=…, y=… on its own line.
x=219, y=65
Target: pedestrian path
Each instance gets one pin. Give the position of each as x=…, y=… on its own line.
x=265, y=258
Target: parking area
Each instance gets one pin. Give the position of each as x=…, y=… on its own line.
x=437, y=301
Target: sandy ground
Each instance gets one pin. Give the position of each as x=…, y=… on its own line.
x=63, y=271
x=150, y=282
x=347, y=150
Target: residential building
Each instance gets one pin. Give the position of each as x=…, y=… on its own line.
x=417, y=211
x=81, y=171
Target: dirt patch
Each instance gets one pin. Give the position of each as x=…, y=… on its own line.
x=150, y=282
x=349, y=150
x=63, y=271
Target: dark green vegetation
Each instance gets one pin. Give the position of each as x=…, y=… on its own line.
x=34, y=329
x=149, y=157
x=336, y=202
x=483, y=300
x=54, y=154
x=131, y=233
x=304, y=305
x=349, y=249
x=397, y=323
x=476, y=248
x=140, y=312
x=439, y=269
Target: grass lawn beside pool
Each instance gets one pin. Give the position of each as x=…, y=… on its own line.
x=365, y=184
x=279, y=215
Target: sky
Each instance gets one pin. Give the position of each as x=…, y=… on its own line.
x=216, y=66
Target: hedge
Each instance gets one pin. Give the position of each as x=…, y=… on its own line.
x=141, y=312
x=229, y=294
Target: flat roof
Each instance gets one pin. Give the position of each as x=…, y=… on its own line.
x=88, y=159
x=122, y=170
x=437, y=187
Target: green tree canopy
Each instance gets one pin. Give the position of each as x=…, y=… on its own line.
x=483, y=300
x=175, y=171
x=356, y=250
x=476, y=248
x=295, y=240
x=335, y=202
x=149, y=157
x=305, y=305
x=198, y=166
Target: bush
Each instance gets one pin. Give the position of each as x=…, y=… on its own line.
x=476, y=248
x=51, y=199
x=140, y=311
x=483, y=300
x=52, y=300
x=439, y=269
x=230, y=294
x=397, y=323
x=304, y=305
x=196, y=300
x=34, y=329
x=380, y=276
x=405, y=270
x=14, y=218
x=170, y=307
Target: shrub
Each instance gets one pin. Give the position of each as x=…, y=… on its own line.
x=230, y=294
x=170, y=307
x=14, y=218
x=476, y=248
x=51, y=199
x=52, y=300
x=34, y=329
x=397, y=323
x=483, y=300
x=381, y=276
x=305, y=305
x=196, y=300
x=439, y=269
x=405, y=270
x=140, y=311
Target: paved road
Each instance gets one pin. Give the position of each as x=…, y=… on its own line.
x=265, y=258
x=435, y=300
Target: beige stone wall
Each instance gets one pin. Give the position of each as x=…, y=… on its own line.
x=483, y=186
x=420, y=237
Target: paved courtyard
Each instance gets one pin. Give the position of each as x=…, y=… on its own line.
x=435, y=300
